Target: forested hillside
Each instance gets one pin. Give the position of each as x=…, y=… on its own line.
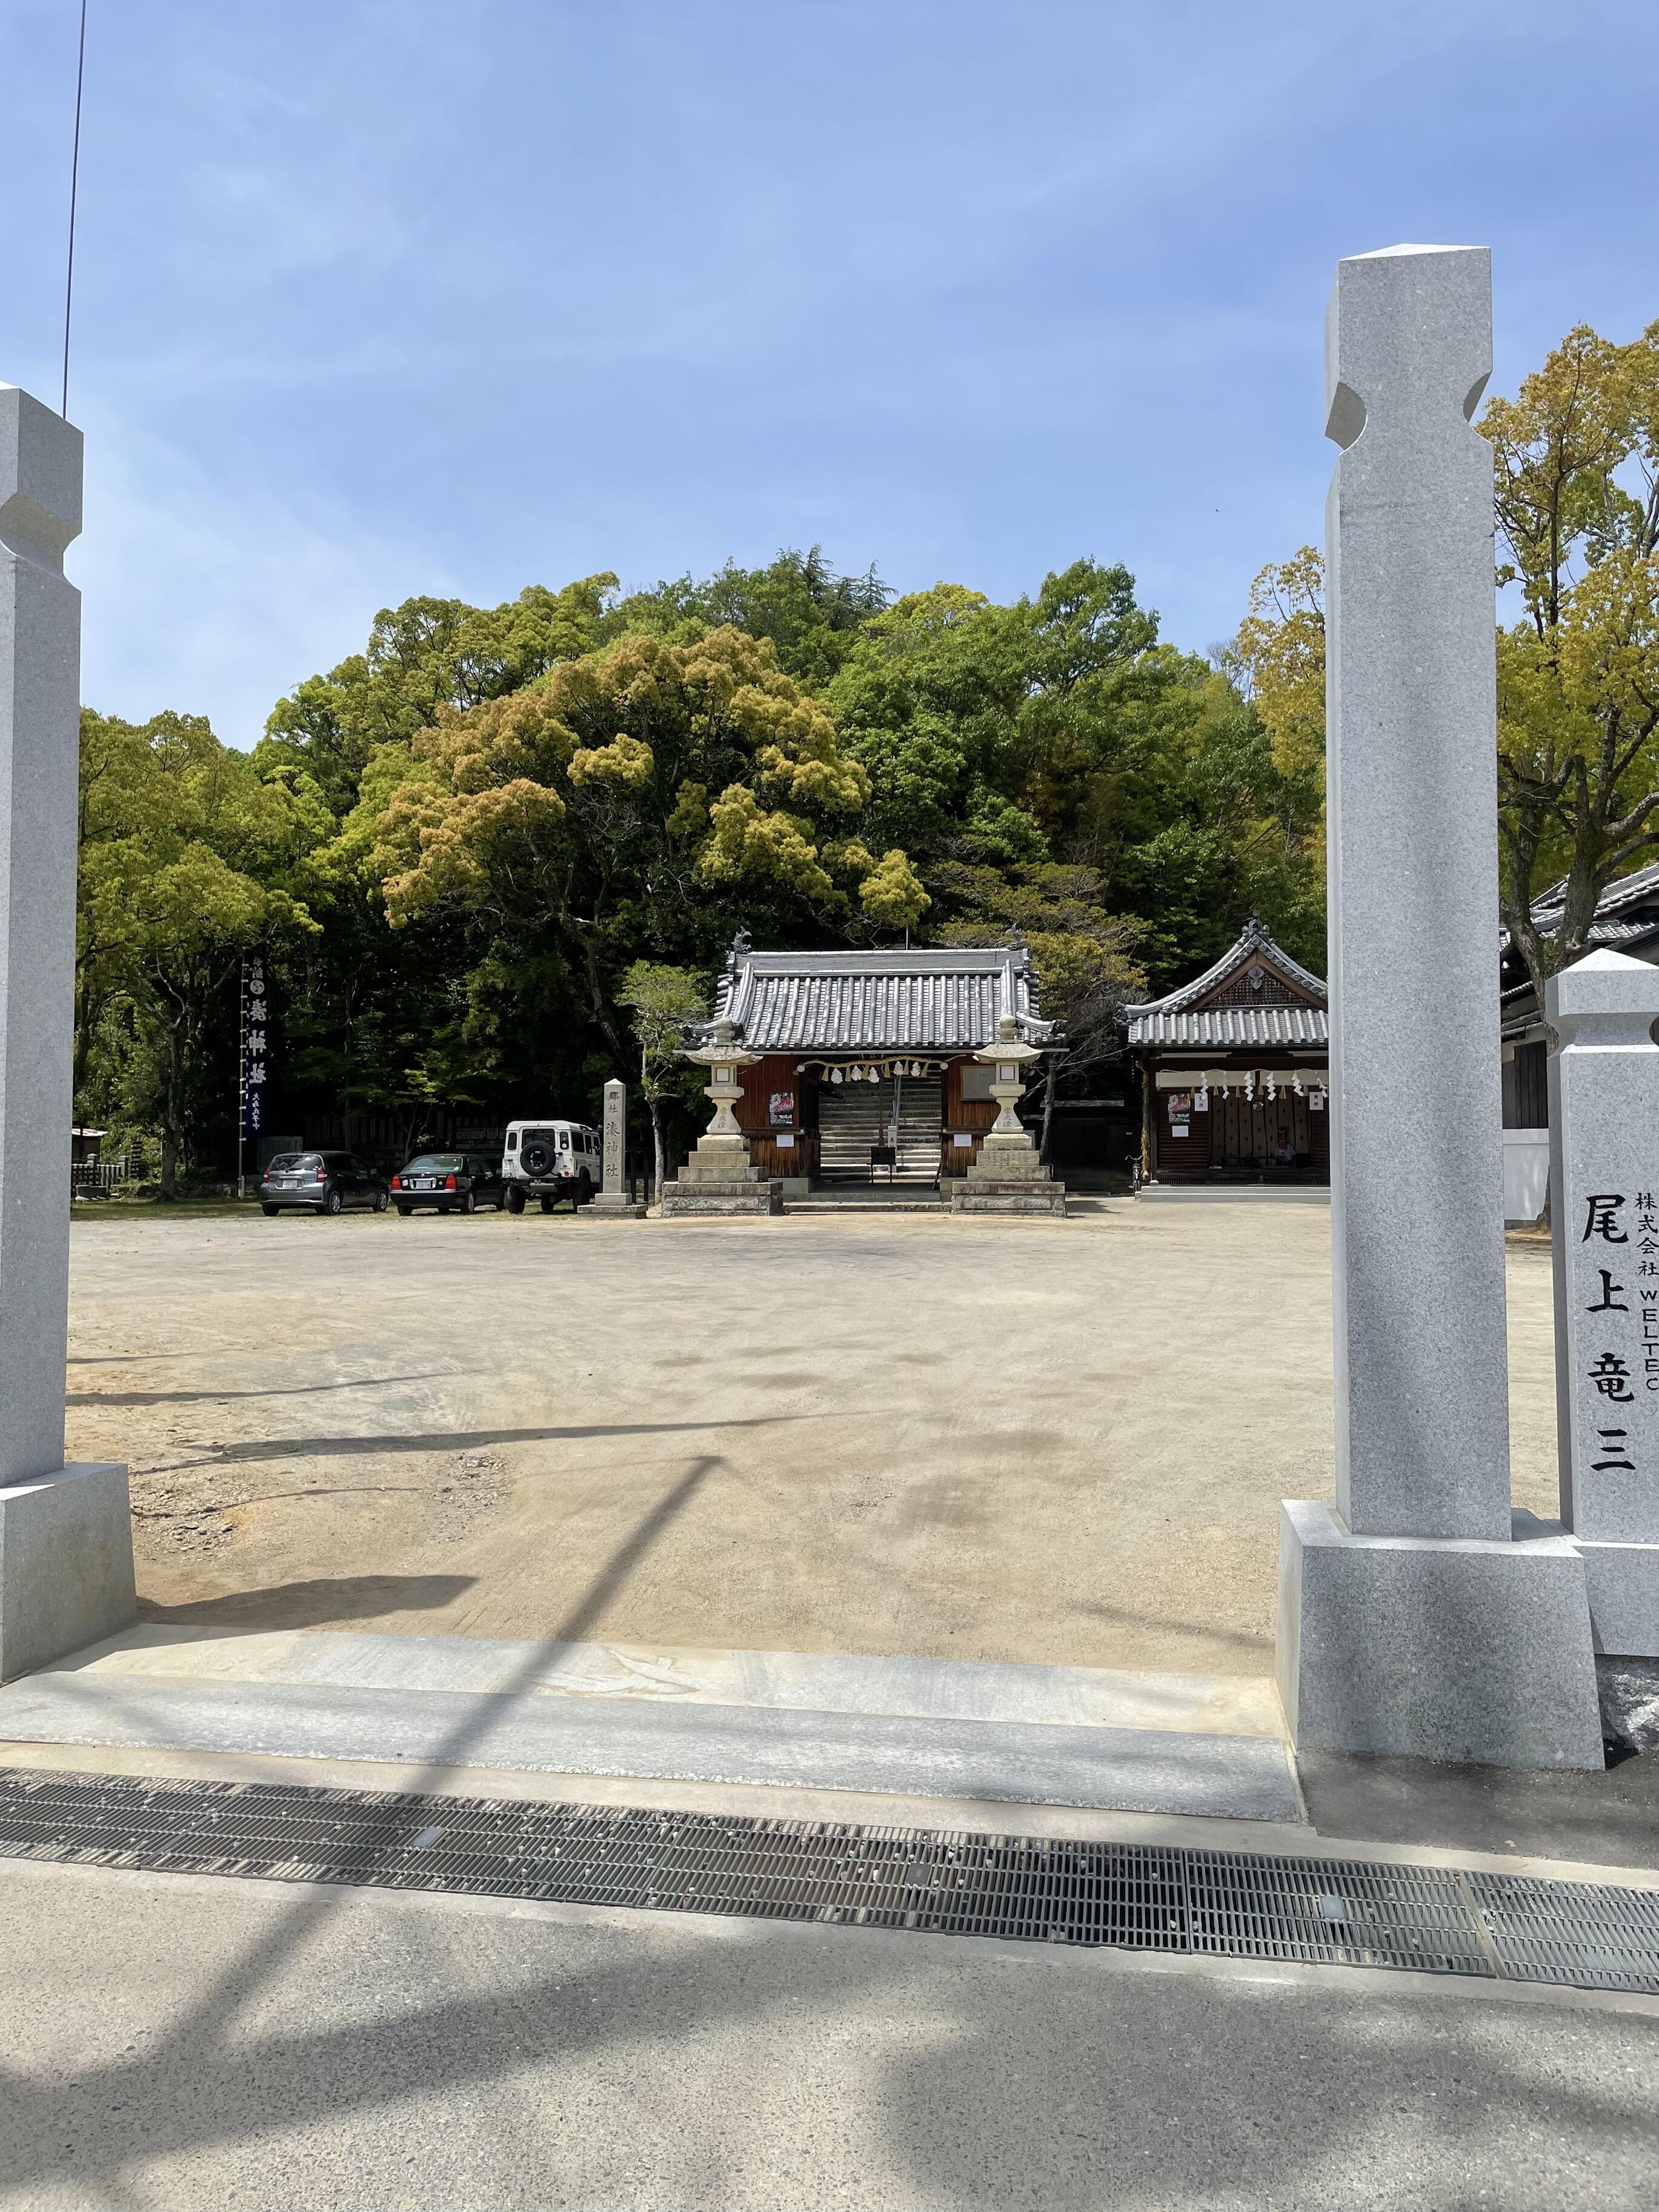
x=455, y=847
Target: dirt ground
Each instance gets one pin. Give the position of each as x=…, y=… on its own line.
x=1038, y=1441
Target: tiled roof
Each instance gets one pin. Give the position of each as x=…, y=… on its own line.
x=1626, y=892
x=1228, y=1027
x=1616, y=913
x=1178, y=1020
x=937, y=1000
x=1253, y=939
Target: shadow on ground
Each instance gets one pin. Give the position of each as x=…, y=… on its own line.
x=1596, y=1819
x=323, y=1603
x=457, y=1440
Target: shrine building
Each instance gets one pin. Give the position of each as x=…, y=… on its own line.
x=1234, y=1072
x=866, y=1072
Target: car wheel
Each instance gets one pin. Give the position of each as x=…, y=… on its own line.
x=548, y=1205
x=515, y=1201
x=270, y=1212
x=470, y=1203
x=382, y=1200
x=584, y=1189
x=333, y=1202
x=405, y=1210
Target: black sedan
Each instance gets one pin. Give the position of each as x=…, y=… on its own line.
x=321, y=1182
x=455, y=1182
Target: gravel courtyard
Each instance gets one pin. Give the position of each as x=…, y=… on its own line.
x=969, y=1439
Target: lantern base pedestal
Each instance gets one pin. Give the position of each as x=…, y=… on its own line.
x=720, y=1178
x=1008, y=1177
x=687, y=1196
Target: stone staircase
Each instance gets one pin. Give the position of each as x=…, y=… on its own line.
x=855, y=1117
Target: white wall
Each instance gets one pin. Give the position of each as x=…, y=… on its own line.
x=1526, y=1173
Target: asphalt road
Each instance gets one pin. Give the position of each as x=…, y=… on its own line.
x=183, y=2043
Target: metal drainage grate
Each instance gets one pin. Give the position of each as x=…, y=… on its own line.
x=1235, y=1905
x=1583, y=1933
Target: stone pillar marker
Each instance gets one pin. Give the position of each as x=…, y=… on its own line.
x=66, y=1534
x=1410, y=1622
x=1422, y=1422
x=613, y=1199
x=1604, y=1215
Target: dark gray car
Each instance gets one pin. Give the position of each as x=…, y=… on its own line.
x=321, y=1182
x=454, y=1183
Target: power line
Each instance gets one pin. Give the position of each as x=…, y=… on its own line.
x=75, y=179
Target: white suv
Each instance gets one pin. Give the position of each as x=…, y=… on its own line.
x=551, y=1160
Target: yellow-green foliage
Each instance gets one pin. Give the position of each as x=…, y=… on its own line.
x=1282, y=647
x=520, y=799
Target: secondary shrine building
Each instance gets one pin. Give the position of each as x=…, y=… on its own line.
x=1234, y=1072
x=866, y=1072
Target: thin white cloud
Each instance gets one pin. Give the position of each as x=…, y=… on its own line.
x=213, y=596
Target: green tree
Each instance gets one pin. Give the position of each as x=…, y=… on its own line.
x=664, y=1002
x=189, y=859
x=811, y=615
x=1576, y=455
x=618, y=807
x=1279, y=652
x=423, y=656
x=1575, y=465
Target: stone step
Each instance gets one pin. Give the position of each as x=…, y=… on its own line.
x=926, y=1728
x=869, y=1199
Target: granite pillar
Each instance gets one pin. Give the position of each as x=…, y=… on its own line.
x=613, y=1199
x=1410, y=1622
x=65, y=1537
x=1604, y=1199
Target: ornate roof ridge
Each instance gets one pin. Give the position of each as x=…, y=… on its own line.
x=1252, y=939
x=852, y=990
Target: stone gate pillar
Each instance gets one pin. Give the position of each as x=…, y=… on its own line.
x=613, y=1199
x=1410, y=1622
x=65, y=1536
x=1604, y=1219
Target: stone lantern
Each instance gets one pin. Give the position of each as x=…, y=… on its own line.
x=1009, y=1177
x=719, y=1177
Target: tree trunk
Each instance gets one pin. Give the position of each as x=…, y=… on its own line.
x=596, y=997
x=1047, y=1113
x=656, y=1142
x=170, y=1120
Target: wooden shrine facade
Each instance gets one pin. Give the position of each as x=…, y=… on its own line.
x=866, y=1072
x=1234, y=1071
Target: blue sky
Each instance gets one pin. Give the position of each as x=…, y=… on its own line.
x=379, y=299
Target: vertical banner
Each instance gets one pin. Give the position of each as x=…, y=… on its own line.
x=255, y=1059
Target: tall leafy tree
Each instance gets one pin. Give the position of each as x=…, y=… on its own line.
x=625, y=801
x=811, y=615
x=1576, y=464
x=1577, y=460
x=189, y=859
x=663, y=1003
x=423, y=656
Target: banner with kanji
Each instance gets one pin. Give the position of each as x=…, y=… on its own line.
x=256, y=1060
